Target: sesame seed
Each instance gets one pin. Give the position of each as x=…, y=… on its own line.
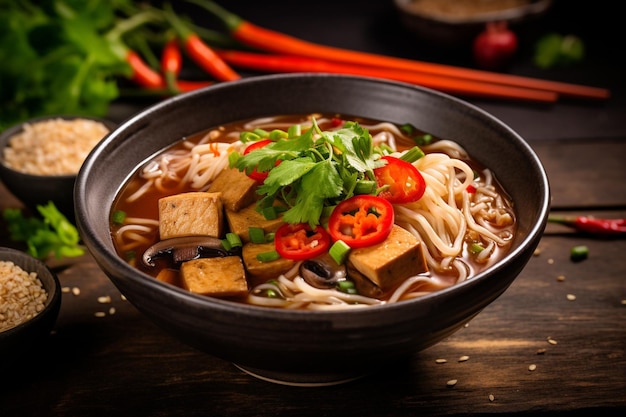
x=537, y=252
x=65, y=289
x=76, y=291
x=541, y=351
x=99, y=314
x=550, y=261
x=440, y=361
x=112, y=311
x=560, y=278
x=463, y=358
x=532, y=367
x=571, y=297
x=452, y=382
x=104, y=299
x=491, y=397
x=552, y=341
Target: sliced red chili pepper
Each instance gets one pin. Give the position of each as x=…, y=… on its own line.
x=300, y=241
x=255, y=175
x=362, y=220
x=404, y=181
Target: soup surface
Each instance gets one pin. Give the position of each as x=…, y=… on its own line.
x=313, y=211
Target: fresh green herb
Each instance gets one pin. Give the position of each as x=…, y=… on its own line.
x=268, y=256
x=50, y=234
x=412, y=155
x=317, y=169
x=555, y=50
x=579, y=253
x=231, y=240
x=476, y=248
x=347, y=287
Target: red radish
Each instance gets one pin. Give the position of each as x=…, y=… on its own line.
x=495, y=46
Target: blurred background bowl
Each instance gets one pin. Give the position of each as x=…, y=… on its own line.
x=310, y=347
x=455, y=23
x=27, y=337
x=34, y=189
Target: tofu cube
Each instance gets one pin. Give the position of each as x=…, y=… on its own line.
x=259, y=271
x=238, y=190
x=390, y=262
x=191, y=214
x=216, y=277
x=239, y=222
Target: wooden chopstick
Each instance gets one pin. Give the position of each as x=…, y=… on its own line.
x=290, y=63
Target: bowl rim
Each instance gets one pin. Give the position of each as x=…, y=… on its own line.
x=104, y=255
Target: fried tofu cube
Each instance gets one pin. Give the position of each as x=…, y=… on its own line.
x=191, y=214
x=388, y=263
x=239, y=222
x=238, y=190
x=216, y=277
x=262, y=271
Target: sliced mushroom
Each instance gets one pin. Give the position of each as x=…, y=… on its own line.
x=186, y=248
x=322, y=272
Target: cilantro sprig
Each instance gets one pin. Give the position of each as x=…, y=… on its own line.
x=317, y=169
x=49, y=234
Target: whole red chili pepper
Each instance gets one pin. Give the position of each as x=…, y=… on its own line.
x=142, y=74
x=171, y=62
x=593, y=225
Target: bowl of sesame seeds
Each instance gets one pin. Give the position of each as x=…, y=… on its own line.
x=40, y=158
x=30, y=300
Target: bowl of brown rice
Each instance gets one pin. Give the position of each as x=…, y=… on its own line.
x=40, y=158
x=30, y=300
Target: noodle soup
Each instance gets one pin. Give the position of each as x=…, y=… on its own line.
x=463, y=222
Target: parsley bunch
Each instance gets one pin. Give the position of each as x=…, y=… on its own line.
x=317, y=169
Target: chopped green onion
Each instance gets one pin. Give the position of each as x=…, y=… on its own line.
x=423, y=140
x=365, y=187
x=250, y=137
x=339, y=251
x=294, y=131
x=270, y=213
x=270, y=237
x=476, y=248
x=257, y=234
x=578, y=253
x=412, y=154
x=277, y=134
x=347, y=287
x=119, y=216
x=268, y=256
x=234, y=240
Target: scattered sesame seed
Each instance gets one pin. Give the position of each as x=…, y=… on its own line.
x=541, y=351
x=491, y=397
x=550, y=261
x=537, y=252
x=76, y=291
x=571, y=297
x=104, y=299
x=441, y=360
x=560, y=278
x=65, y=289
x=99, y=314
x=122, y=297
x=624, y=302
x=532, y=367
x=552, y=341
x=452, y=382
x=112, y=311
x=463, y=358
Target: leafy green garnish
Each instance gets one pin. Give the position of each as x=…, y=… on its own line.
x=555, y=50
x=317, y=169
x=50, y=234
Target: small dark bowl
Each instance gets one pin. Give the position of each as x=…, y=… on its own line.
x=28, y=336
x=457, y=32
x=310, y=347
x=33, y=190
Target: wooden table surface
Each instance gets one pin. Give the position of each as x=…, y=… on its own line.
x=534, y=351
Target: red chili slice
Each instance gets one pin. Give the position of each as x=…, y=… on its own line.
x=255, y=175
x=362, y=220
x=300, y=241
x=405, y=182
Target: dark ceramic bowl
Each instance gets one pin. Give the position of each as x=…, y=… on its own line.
x=304, y=347
x=33, y=190
x=455, y=31
x=25, y=338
